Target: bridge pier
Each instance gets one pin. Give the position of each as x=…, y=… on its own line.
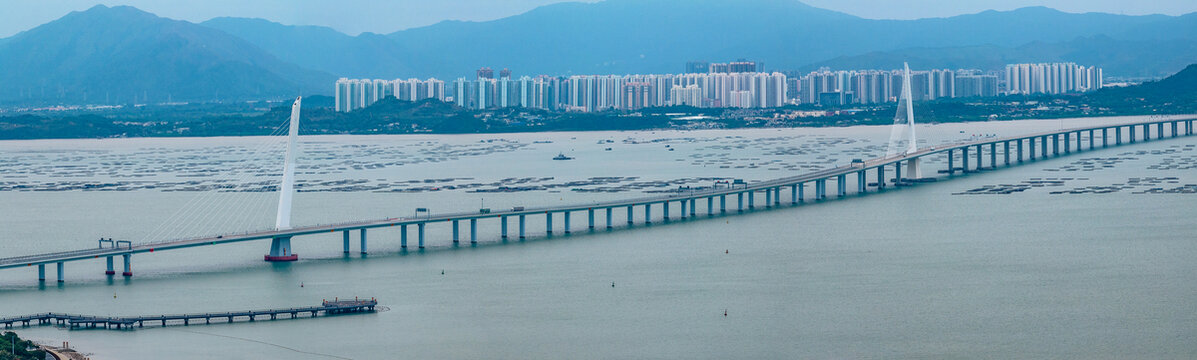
x=1105, y=138
x=403, y=237
x=1091, y=133
x=684, y=205
x=648, y=216
x=768, y=198
x=1006, y=151
x=1044, y=146
x=1131, y=131
x=630, y=213
x=456, y=231
x=1068, y=142
x=964, y=159
x=993, y=155
x=880, y=180
x=128, y=265
x=665, y=209
x=1078, y=141
x=60, y=273
x=1174, y=126
x=473, y=233
x=1159, y=131
x=548, y=223
x=710, y=206
x=1031, y=148
x=280, y=250
x=740, y=201
x=860, y=182
x=693, y=207
x=980, y=164
x=820, y=189
x=610, y=225
x=1117, y=135
x=420, y=234
x=522, y=222
x=722, y=204
x=567, y=214
x=345, y=242
x=110, y=270
x=897, y=172
x=951, y=163
x=1055, y=145
x=751, y=199
x=362, y=246
x=503, y=227
x=590, y=217
x=41, y=272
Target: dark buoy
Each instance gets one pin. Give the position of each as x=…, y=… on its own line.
x=612, y=284
x=724, y=312
x=300, y=284
x=725, y=251
x=442, y=271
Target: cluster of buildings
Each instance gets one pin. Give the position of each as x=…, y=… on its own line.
x=739, y=84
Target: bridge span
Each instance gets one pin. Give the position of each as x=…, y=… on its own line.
x=964, y=157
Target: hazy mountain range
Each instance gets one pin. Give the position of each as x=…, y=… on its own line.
x=118, y=54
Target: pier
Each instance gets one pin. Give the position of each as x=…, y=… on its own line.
x=73, y=321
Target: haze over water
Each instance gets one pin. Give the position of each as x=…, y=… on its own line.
x=917, y=272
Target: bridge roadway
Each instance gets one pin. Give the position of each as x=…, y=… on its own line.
x=772, y=189
x=73, y=321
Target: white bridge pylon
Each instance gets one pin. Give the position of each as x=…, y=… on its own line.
x=280, y=247
x=904, y=125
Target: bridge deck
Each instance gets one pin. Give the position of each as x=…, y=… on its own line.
x=39, y=259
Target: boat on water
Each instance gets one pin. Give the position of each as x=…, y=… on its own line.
x=561, y=156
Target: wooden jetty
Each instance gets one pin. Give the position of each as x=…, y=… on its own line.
x=74, y=321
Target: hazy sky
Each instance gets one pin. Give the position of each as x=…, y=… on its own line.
x=384, y=16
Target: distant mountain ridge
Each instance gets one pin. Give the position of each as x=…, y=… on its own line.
x=124, y=55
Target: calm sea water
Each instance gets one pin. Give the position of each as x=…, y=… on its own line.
x=913, y=273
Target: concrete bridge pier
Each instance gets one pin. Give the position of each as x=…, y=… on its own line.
x=1068, y=143
x=60, y=273
x=1091, y=133
x=110, y=270
x=567, y=214
x=41, y=272
x=1018, y=150
x=1131, y=130
x=1117, y=135
x=456, y=231
x=363, y=240
x=794, y=194
x=751, y=200
x=768, y=198
x=820, y=189
x=1043, y=146
x=993, y=156
x=880, y=181
x=1174, y=126
x=128, y=265
x=693, y=207
x=403, y=236
x=610, y=225
x=860, y=182
x=897, y=173
x=740, y=201
x=523, y=220
x=665, y=209
x=1078, y=141
x=345, y=240
x=503, y=227
x=710, y=206
x=964, y=159
x=1031, y=148
x=648, y=213
x=590, y=217
x=722, y=204
x=1055, y=145
x=630, y=212
x=980, y=164
x=1105, y=138
x=548, y=223
x=280, y=250
x=951, y=163
x=473, y=233
x=1006, y=151
x=841, y=186
x=684, y=204
x=420, y=234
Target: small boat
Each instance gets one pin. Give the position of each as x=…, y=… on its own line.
x=561, y=156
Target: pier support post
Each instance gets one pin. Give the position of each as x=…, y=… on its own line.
x=402, y=236
x=685, y=204
x=897, y=173
x=794, y=193
x=951, y=163
x=473, y=232
x=710, y=206
x=548, y=222
x=1006, y=152
x=768, y=198
x=128, y=265
x=1105, y=138
x=693, y=207
x=420, y=235
x=362, y=246
x=1159, y=130
x=1174, y=126
x=503, y=227
x=567, y=215
x=740, y=201
x=1031, y=148
x=665, y=209
x=860, y=182
x=648, y=213
x=590, y=216
x=980, y=164
x=963, y=159
x=345, y=240
x=610, y=225
x=280, y=250
x=111, y=270
x=1068, y=142
x=752, y=200
x=60, y=272
x=1018, y=151
x=456, y=231
x=1131, y=131
x=993, y=155
x=1078, y=141
x=1091, y=133
x=41, y=272
x=880, y=181
x=841, y=186
x=630, y=213
x=722, y=204
x=523, y=220
x=1044, y=146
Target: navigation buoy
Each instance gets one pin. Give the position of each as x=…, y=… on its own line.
x=301, y=284
x=442, y=271
x=612, y=284
x=725, y=251
x=724, y=312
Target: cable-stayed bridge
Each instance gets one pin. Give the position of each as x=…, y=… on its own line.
x=867, y=176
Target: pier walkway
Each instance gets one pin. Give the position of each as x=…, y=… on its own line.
x=73, y=321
